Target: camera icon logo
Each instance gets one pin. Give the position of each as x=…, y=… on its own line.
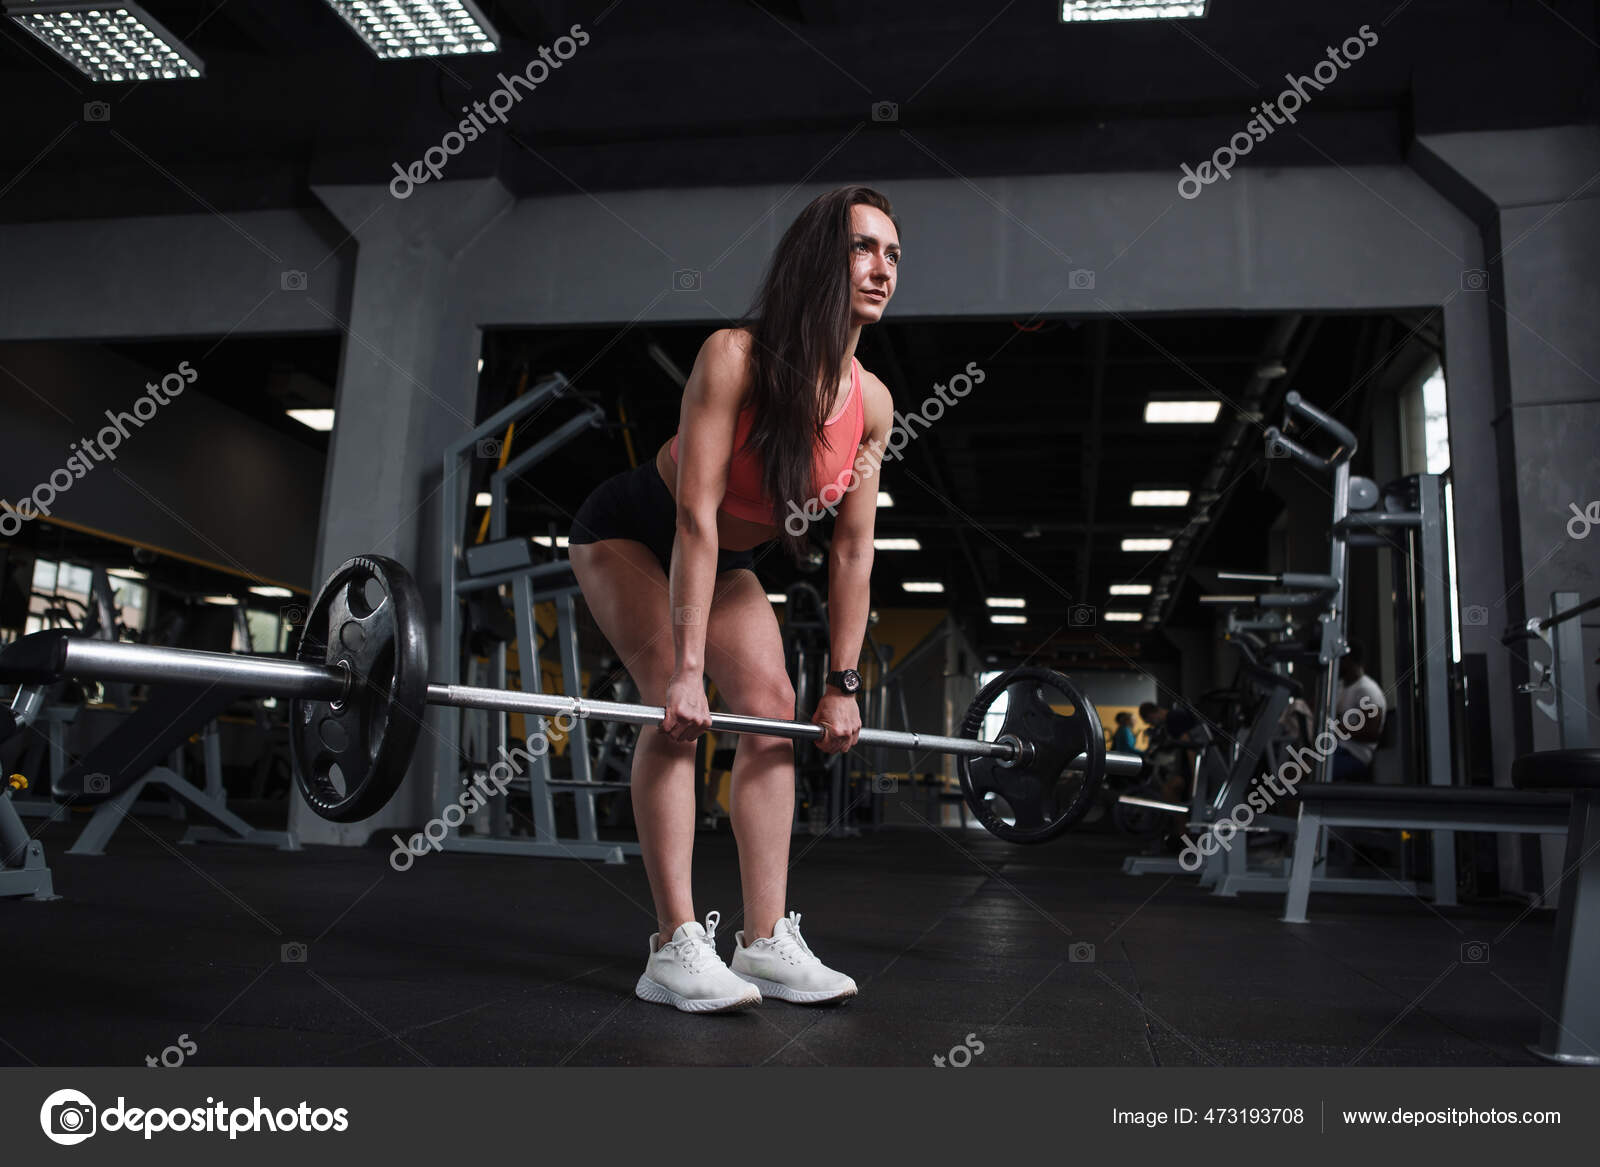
x=688, y=614
x=1080, y=279
x=686, y=280
x=884, y=784
x=885, y=111
x=1081, y=615
x=1474, y=279
x=1474, y=952
x=293, y=280
x=1475, y=616
x=489, y=448
x=293, y=615
x=96, y=111
x=293, y=952
x=97, y=783
x=67, y=1117
x=1081, y=953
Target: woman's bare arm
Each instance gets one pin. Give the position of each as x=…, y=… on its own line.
x=706, y=426
x=850, y=569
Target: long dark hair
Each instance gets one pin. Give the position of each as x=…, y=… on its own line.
x=800, y=323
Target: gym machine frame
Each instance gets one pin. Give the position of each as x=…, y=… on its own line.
x=505, y=561
x=1355, y=522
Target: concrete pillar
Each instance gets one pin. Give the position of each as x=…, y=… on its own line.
x=407, y=387
x=1527, y=437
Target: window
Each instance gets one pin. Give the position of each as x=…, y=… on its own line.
x=60, y=596
x=265, y=635
x=132, y=600
x=1425, y=426
x=1435, y=424
x=70, y=590
x=995, y=716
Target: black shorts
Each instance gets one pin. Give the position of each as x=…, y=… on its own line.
x=637, y=505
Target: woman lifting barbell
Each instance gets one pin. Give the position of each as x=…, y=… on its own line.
x=773, y=416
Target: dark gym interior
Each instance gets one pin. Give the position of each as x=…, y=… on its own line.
x=1262, y=419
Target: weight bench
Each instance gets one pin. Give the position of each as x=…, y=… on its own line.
x=1416, y=808
x=1572, y=1035
x=129, y=762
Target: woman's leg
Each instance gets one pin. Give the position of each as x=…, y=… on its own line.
x=744, y=656
x=626, y=591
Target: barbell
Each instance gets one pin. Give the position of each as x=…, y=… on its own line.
x=359, y=687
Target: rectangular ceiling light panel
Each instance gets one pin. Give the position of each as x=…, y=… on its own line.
x=116, y=42
x=1079, y=10
x=401, y=29
x=1182, y=412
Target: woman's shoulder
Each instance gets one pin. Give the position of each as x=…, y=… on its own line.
x=723, y=364
x=876, y=403
x=729, y=345
x=870, y=382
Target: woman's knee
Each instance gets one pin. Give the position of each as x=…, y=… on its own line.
x=773, y=697
x=663, y=749
x=651, y=669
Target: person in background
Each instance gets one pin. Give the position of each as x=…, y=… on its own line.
x=1352, y=761
x=1167, y=724
x=1168, y=744
x=1123, y=738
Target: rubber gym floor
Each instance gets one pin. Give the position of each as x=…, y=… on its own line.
x=330, y=957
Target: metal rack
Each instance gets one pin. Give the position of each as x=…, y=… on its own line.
x=511, y=561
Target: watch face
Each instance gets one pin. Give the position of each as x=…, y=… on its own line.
x=852, y=681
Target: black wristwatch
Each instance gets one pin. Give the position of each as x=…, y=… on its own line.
x=847, y=681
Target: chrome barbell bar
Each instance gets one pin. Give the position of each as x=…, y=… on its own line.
x=270, y=677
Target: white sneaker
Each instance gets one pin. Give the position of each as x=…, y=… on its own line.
x=687, y=972
x=785, y=967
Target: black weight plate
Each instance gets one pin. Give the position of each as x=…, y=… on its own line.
x=350, y=756
x=1035, y=800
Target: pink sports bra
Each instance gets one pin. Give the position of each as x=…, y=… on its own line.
x=744, y=498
